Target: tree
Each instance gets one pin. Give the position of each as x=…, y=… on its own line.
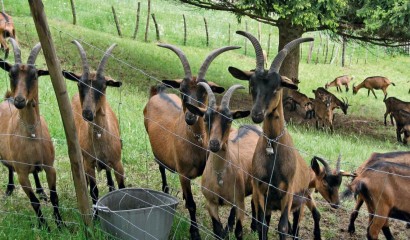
x=382, y=22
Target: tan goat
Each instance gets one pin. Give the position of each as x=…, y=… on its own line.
x=6, y=30
x=371, y=83
x=339, y=81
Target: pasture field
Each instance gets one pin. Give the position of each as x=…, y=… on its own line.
x=140, y=64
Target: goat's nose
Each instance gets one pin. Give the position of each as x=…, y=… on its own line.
x=335, y=205
x=88, y=115
x=19, y=102
x=214, y=145
x=257, y=117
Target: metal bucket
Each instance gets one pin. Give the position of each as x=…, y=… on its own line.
x=137, y=213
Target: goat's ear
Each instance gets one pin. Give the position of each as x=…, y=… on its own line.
x=239, y=74
x=195, y=110
x=240, y=114
x=113, y=83
x=288, y=84
x=216, y=88
x=43, y=72
x=172, y=83
x=315, y=166
x=5, y=65
x=71, y=76
x=346, y=174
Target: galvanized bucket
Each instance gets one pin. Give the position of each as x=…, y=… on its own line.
x=137, y=213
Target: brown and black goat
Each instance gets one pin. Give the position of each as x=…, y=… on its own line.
x=6, y=30
x=393, y=105
x=281, y=175
x=402, y=118
x=96, y=123
x=381, y=183
x=371, y=83
x=226, y=178
x=339, y=81
x=296, y=97
x=323, y=112
x=321, y=93
x=26, y=146
x=177, y=136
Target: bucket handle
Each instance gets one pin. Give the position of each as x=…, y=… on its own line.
x=101, y=208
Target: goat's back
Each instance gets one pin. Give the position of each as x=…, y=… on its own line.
x=376, y=82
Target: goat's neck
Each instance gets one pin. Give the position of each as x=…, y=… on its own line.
x=312, y=182
x=29, y=118
x=220, y=160
x=274, y=122
x=196, y=132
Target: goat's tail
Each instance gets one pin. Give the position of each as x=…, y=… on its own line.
x=392, y=83
x=154, y=90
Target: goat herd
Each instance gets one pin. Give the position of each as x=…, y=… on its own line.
x=192, y=135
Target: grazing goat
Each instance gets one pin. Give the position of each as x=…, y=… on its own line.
x=177, y=136
x=379, y=182
x=27, y=147
x=6, y=30
x=281, y=176
x=321, y=93
x=371, y=83
x=392, y=105
x=226, y=178
x=97, y=126
x=339, y=81
x=323, y=112
x=296, y=97
x=402, y=118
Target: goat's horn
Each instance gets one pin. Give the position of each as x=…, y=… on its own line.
x=182, y=58
x=325, y=164
x=277, y=62
x=338, y=163
x=34, y=53
x=227, y=96
x=210, y=58
x=86, y=68
x=16, y=49
x=100, y=69
x=260, y=62
x=211, y=95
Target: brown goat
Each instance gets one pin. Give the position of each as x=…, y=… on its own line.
x=402, y=119
x=381, y=183
x=97, y=126
x=27, y=147
x=281, y=176
x=296, y=97
x=226, y=178
x=371, y=83
x=321, y=93
x=393, y=105
x=6, y=30
x=177, y=136
x=323, y=112
x=339, y=81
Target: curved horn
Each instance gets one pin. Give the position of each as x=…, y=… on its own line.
x=34, y=53
x=182, y=57
x=338, y=164
x=100, y=69
x=211, y=95
x=277, y=62
x=16, y=49
x=260, y=62
x=227, y=96
x=210, y=58
x=86, y=67
x=325, y=164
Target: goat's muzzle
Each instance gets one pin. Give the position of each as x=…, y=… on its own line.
x=335, y=205
x=19, y=102
x=214, y=145
x=190, y=118
x=88, y=115
x=257, y=117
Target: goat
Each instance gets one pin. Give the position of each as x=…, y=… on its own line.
x=281, y=176
x=177, y=136
x=296, y=97
x=27, y=147
x=226, y=176
x=97, y=126
x=402, y=119
x=6, y=30
x=394, y=104
x=371, y=83
x=323, y=112
x=321, y=93
x=339, y=81
x=387, y=170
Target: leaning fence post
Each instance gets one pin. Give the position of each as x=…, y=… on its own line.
x=60, y=89
x=147, y=25
x=156, y=26
x=183, y=16
x=116, y=21
x=137, y=21
x=206, y=31
x=73, y=11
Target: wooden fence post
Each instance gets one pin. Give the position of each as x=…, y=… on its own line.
x=147, y=25
x=137, y=21
x=268, y=50
x=206, y=31
x=60, y=89
x=327, y=50
x=229, y=34
x=183, y=16
x=310, y=52
x=116, y=21
x=246, y=40
x=344, y=40
x=73, y=11
x=156, y=26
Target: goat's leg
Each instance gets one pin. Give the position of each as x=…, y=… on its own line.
x=385, y=118
x=110, y=182
x=385, y=93
x=398, y=133
x=377, y=222
x=253, y=223
x=386, y=231
x=355, y=213
x=165, y=187
x=259, y=203
x=39, y=188
x=347, y=87
x=316, y=218
x=35, y=203
x=374, y=94
x=51, y=180
x=391, y=120
x=10, y=186
x=239, y=220
x=216, y=221
x=5, y=46
x=286, y=204
x=93, y=185
x=368, y=92
x=119, y=174
x=190, y=205
x=231, y=220
x=297, y=218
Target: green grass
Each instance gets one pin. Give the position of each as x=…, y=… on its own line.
x=140, y=65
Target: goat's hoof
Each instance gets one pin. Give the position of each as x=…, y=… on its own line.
x=408, y=225
x=195, y=235
x=253, y=227
x=42, y=196
x=10, y=189
x=165, y=189
x=351, y=230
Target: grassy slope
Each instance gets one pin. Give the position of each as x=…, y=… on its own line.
x=96, y=28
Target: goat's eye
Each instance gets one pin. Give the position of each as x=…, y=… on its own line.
x=324, y=182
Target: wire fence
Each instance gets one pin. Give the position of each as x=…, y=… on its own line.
x=64, y=188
